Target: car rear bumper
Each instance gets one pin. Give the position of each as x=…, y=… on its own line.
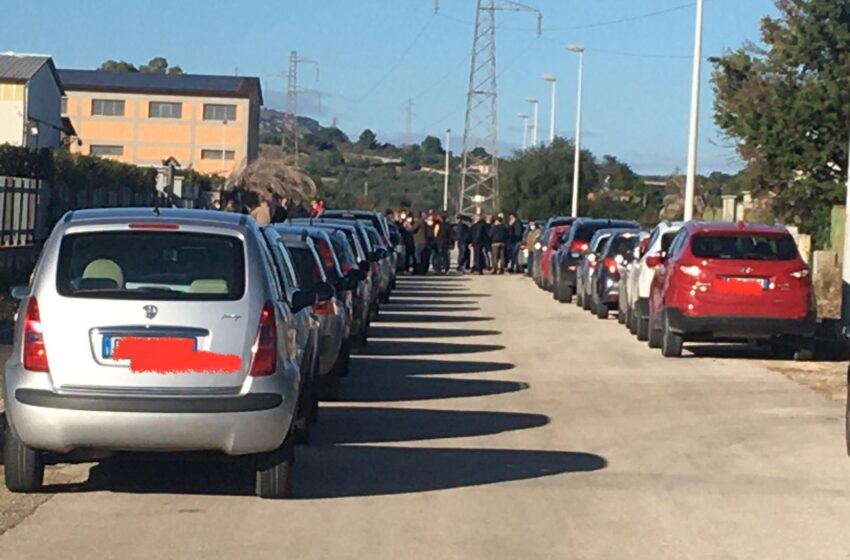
x=567, y=276
x=234, y=424
x=739, y=327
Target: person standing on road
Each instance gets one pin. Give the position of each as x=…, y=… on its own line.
x=317, y=207
x=514, y=239
x=488, y=244
x=442, y=244
x=531, y=238
x=463, y=237
x=479, y=243
x=281, y=211
x=499, y=237
x=420, y=243
x=260, y=211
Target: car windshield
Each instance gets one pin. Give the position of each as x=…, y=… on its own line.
x=744, y=247
x=151, y=265
x=623, y=244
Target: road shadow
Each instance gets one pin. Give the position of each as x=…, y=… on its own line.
x=425, y=307
x=345, y=424
x=422, y=332
x=405, y=367
x=338, y=471
x=351, y=471
x=416, y=348
x=401, y=294
x=412, y=318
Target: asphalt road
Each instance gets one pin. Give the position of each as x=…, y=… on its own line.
x=487, y=421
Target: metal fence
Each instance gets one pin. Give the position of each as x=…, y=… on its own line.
x=21, y=211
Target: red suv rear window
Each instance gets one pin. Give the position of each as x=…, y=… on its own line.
x=744, y=247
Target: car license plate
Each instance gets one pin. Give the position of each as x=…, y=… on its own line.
x=742, y=285
x=763, y=282
x=110, y=342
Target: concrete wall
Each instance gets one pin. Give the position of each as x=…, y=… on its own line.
x=11, y=113
x=148, y=141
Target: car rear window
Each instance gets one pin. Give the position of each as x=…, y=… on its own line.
x=151, y=265
x=744, y=247
x=306, y=267
x=667, y=238
x=623, y=244
x=327, y=257
x=585, y=232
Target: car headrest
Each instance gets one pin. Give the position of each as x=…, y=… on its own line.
x=104, y=269
x=208, y=286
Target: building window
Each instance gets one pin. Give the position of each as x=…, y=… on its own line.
x=106, y=150
x=63, y=108
x=107, y=107
x=164, y=110
x=213, y=112
x=216, y=154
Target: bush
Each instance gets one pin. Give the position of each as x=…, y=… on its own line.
x=23, y=162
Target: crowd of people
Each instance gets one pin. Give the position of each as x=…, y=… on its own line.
x=484, y=242
x=270, y=210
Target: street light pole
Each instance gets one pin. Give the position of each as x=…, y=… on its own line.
x=536, y=105
x=524, y=118
x=845, y=264
x=552, y=80
x=690, y=183
x=577, y=160
x=446, y=178
x=223, y=146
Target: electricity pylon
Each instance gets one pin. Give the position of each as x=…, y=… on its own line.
x=289, y=136
x=479, y=188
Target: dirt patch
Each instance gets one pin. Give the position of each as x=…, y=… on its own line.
x=826, y=378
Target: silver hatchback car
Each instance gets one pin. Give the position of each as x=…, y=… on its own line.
x=155, y=331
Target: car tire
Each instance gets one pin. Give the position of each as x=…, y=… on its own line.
x=579, y=298
x=782, y=351
x=621, y=314
x=586, y=302
x=641, y=328
x=602, y=310
x=343, y=361
x=631, y=322
x=273, y=472
x=654, y=334
x=24, y=466
x=329, y=386
x=566, y=295
x=671, y=343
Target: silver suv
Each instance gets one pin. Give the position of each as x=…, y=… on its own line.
x=158, y=331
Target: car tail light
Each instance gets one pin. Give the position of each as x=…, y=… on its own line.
x=265, y=347
x=35, y=353
x=579, y=247
x=653, y=260
x=690, y=270
x=610, y=264
x=325, y=254
x=323, y=307
x=800, y=274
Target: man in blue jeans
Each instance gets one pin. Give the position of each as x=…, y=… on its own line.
x=514, y=241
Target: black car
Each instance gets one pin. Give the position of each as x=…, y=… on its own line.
x=572, y=250
x=616, y=253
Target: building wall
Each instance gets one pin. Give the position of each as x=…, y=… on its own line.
x=149, y=141
x=11, y=113
x=43, y=98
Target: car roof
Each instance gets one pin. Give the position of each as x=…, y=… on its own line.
x=614, y=222
x=735, y=227
x=125, y=214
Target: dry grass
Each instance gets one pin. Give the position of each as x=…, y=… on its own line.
x=828, y=292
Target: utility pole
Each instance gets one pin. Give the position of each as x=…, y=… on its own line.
x=536, y=120
x=479, y=184
x=691, y=181
x=446, y=178
x=408, y=122
x=554, y=81
x=290, y=134
x=524, y=118
x=577, y=155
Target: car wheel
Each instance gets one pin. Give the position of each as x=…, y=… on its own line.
x=621, y=314
x=654, y=334
x=642, y=327
x=343, y=361
x=579, y=298
x=601, y=310
x=671, y=343
x=782, y=351
x=631, y=322
x=566, y=294
x=586, y=302
x=329, y=386
x=273, y=476
x=24, y=466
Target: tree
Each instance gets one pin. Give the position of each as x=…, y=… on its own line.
x=367, y=140
x=156, y=65
x=432, y=145
x=786, y=106
x=117, y=66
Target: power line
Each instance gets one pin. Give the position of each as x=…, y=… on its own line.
x=398, y=61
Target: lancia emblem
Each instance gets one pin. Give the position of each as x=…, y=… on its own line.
x=746, y=270
x=150, y=311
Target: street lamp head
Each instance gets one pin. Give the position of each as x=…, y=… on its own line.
x=548, y=78
x=531, y=99
x=574, y=48
x=522, y=115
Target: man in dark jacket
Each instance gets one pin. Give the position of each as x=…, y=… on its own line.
x=463, y=237
x=281, y=210
x=442, y=244
x=515, y=231
x=499, y=237
x=480, y=242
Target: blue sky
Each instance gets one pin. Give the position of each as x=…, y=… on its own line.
x=375, y=54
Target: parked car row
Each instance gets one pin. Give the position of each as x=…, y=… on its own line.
x=683, y=282
x=188, y=331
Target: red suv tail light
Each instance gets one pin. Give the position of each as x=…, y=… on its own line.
x=610, y=264
x=35, y=353
x=265, y=347
x=652, y=260
x=800, y=274
x=579, y=247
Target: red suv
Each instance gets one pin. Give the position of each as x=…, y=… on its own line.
x=549, y=246
x=726, y=281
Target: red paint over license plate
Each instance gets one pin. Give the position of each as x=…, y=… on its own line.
x=741, y=286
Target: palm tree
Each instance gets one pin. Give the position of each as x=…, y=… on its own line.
x=273, y=176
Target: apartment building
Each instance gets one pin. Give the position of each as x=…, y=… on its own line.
x=206, y=123
x=30, y=94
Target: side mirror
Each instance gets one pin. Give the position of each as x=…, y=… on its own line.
x=20, y=292
x=654, y=260
x=303, y=299
x=644, y=244
x=324, y=291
